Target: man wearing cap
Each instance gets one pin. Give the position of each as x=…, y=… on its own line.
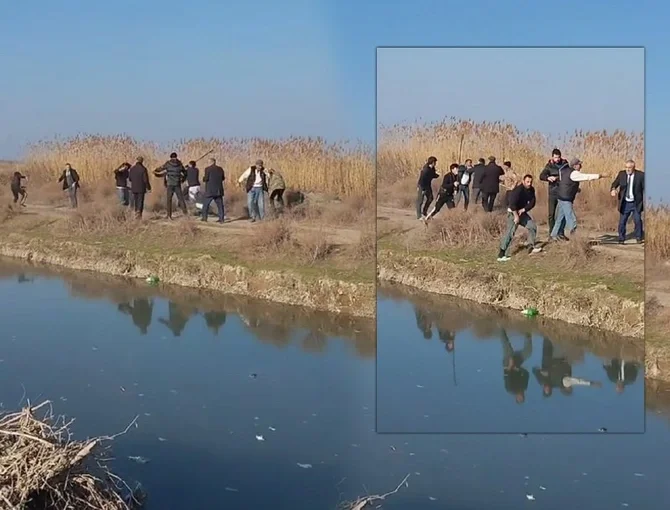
x=567, y=187
x=629, y=185
x=550, y=175
x=255, y=182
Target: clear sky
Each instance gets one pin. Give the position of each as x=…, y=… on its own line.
x=551, y=90
x=170, y=69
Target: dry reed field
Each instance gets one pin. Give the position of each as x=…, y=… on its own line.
x=403, y=149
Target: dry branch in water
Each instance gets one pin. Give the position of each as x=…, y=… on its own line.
x=42, y=467
x=366, y=501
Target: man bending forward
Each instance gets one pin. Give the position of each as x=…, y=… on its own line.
x=520, y=201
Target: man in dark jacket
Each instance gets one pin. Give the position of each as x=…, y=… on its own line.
x=175, y=174
x=477, y=171
x=213, y=179
x=515, y=376
x=18, y=190
x=464, y=180
x=192, y=180
x=553, y=370
x=489, y=183
x=550, y=174
x=121, y=180
x=629, y=185
x=519, y=202
x=70, y=180
x=255, y=181
x=445, y=195
x=139, y=185
x=424, y=187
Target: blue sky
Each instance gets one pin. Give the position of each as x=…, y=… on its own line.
x=553, y=90
x=168, y=69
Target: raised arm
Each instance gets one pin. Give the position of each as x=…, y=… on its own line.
x=579, y=176
x=244, y=176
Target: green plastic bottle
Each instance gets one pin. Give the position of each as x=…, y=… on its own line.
x=153, y=280
x=530, y=312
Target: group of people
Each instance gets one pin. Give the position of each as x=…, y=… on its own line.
x=184, y=182
x=563, y=178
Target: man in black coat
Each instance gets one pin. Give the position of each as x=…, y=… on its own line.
x=489, y=183
x=175, y=174
x=213, y=179
x=445, y=195
x=477, y=171
x=629, y=185
x=424, y=187
x=139, y=185
x=550, y=174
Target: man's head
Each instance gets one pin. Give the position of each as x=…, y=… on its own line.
x=507, y=164
x=630, y=166
x=527, y=181
x=556, y=155
x=453, y=168
x=520, y=397
x=173, y=155
x=212, y=161
x=259, y=163
x=271, y=170
x=468, y=163
x=450, y=346
x=139, y=159
x=492, y=159
x=432, y=161
x=191, y=163
x=547, y=390
x=482, y=161
x=126, y=166
x=576, y=163
x=620, y=387
x=68, y=166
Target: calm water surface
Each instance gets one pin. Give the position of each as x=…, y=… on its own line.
x=444, y=365
x=207, y=374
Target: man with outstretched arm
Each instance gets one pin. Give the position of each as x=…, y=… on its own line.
x=445, y=195
x=550, y=175
x=424, y=187
x=566, y=191
x=464, y=179
x=629, y=185
x=520, y=202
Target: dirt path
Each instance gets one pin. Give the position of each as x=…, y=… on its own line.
x=233, y=226
x=405, y=219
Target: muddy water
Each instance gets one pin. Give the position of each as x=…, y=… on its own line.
x=208, y=374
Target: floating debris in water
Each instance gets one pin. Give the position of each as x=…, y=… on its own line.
x=419, y=386
x=174, y=392
x=530, y=497
x=638, y=474
x=138, y=459
x=432, y=498
x=260, y=438
x=253, y=376
x=523, y=434
x=417, y=473
x=122, y=389
x=230, y=489
x=94, y=348
x=153, y=280
x=162, y=439
x=140, y=394
x=393, y=448
x=272, y=429
x=63, y=399
x=147, y=414
x=625, y=504
x=354, y=445
x=444, y=451
x=304, y=466
x=542, y=488
x=255, y=418
x=602, y=429
x=314, y=415
x=530, y=312
x=411, y=455
x=426, y=416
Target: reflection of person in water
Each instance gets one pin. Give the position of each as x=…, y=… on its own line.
x=215, y=320
x=622, y=373
x=448, y=337
x=177, y=319
x=22, y=278
x=140, y=311
x=516, y=377
x=424, y=323
x=552, y=371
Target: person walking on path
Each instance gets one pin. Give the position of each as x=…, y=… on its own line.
x=192, y=180
x=213, y=179
x=276, y=186
x=255, y=183
x=477, y=172
x=489, y=183
x=175, y=174
x=140, y=185
x=18, y=190
x=520, y=202
x=121, y=178
x=566, y=191
x=70, y=180
x=424, y=188
x=445, y=194
x=464, y=180
x=550, y=175
x=629, y=185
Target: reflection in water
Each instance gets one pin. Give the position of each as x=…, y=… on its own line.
x=22, y=278
x=515, y=375
x=622, y=373
x=141, y=311
x=554, y=369
x=215, y=321
x=177, y=318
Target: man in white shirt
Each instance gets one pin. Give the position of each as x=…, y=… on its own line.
x=255, y=183
x=568, y=180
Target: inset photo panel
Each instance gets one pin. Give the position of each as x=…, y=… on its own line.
x=510, y=240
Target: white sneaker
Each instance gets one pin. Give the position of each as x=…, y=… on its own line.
x=536, y=249
x=504, y=258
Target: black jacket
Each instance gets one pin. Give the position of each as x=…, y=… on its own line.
x=426, y=178
x=552, y=169
x=567, y=189
x=16, y=180
x=175, y=173
x=63, y=178
x=521, y=198
x=489, y=178
x=213, y=179
x=192, y=176
x=252, y=178
x=139, y=178
x=121, y=177
x=477, y=171
x=621, y=183
x=448, y=184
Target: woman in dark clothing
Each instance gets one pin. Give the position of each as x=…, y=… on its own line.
x=18, y=190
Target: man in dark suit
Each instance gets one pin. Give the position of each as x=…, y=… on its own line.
x=139, y=185
x=489, y=183
x=629, y=185
x=213, y=179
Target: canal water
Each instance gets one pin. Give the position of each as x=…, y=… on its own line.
x=245, y=404
x=449, y=366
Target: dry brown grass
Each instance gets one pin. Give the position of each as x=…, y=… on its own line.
x=403, y=149
x=307, y=164
x=657, y=233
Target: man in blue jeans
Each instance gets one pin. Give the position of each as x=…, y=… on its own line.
x=629, y=185
x=255, y=183
x=424, y=188
x=568, y=179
